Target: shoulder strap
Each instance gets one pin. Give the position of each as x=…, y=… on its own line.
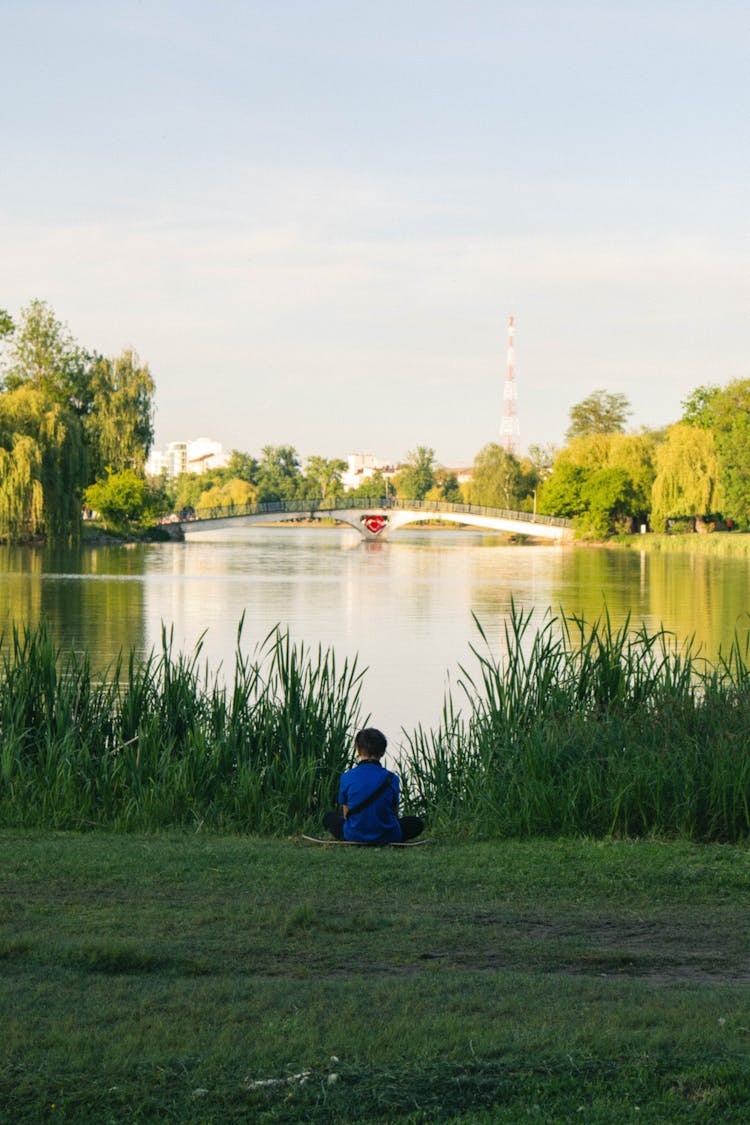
x=373, y=796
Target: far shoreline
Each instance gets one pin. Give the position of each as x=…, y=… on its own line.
x=716, y=543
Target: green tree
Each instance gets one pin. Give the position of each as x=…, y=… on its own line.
x=734, y=459
x=446, y=482
x=601, y=412
x=725, y=412
x=242, y=466
x=417, y=476
x=119, y=419
x=323, y=476
x=159, y=498
x=633, y=453
x=608, y=497
x=83, y=413
x=698, y=407
x=189, y=487
x=496, y=478
x=375, y=487
x=279, y=475
x=44, y=355
x=562, y=493
x=120, y=499
x=542, y=458
x=636, y=455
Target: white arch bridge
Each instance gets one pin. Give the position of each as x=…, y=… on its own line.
x=377, y=519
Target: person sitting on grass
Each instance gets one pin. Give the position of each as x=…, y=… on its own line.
x=369, y=796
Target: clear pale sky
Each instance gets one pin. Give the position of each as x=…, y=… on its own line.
x=312, y=219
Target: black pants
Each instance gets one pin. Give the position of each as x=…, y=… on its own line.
x=411, y=826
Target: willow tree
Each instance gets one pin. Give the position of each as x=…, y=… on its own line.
x=234, y=493
x=45, y=379
x=113, y=396
x=64, y=472
x=687, y=475
x=42, y=466
x=119, y=418
x=21, y=494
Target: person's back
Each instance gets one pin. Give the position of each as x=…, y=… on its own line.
x=369, y=794
x=377, y=822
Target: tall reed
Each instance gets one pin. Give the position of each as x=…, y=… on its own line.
x=580, y=729
x=160, y=742
x=590, y=730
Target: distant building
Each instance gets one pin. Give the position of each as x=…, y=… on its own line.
x=176, y=458
x=197, y=456
x=362, y=466
x=204, y=454
x=156, y=463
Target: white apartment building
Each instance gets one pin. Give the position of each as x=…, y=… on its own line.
x=362, y=466
x=187, y=457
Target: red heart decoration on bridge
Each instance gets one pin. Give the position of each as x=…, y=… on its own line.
x=374, y=524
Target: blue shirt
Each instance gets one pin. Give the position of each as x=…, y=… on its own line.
x=378, y=823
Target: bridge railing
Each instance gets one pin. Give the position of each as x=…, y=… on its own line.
x=480, y=510
x=313, y=506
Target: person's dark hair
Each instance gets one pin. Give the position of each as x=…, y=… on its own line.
x=371, y=742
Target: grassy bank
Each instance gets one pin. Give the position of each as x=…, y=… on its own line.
x=581, y=730
x=188, y=979
x=720, y=543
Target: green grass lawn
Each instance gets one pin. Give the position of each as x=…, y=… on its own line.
x=164, y=978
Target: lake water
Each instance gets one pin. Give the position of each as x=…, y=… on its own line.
x=404, y=607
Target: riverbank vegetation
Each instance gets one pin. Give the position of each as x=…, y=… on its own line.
x=197, y=978
x=76, y=429
x=577, y=730
x=692, y=473
x=68, y=417
x=591, y=730
x=688, y=477
x=151, y=743
x=720, y=544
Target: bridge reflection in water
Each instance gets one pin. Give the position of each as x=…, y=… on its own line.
x=378, y=519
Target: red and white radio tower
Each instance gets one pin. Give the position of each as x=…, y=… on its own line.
x=509, y=431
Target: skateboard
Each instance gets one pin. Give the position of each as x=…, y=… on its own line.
x=358, y=844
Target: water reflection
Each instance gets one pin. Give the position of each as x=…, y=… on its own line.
x=92, y=599
x=700, y=595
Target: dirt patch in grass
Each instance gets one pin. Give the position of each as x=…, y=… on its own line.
x=656, y=950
